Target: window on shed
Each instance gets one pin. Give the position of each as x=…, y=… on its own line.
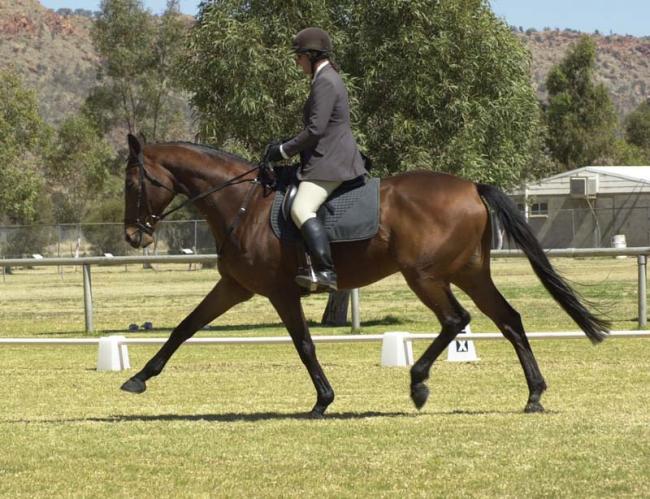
x=539, y=209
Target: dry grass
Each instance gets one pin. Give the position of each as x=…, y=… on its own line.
x=41, y=301
x=226, y=421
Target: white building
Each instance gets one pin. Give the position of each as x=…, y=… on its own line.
x=588, y=206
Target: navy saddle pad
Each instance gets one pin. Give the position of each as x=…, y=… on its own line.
x=347, y=215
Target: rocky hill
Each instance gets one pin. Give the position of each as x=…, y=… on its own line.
x=55, y=56
x=623, y=63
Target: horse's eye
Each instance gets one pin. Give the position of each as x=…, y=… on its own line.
x=131, y=185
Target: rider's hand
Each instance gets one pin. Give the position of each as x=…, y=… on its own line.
x=274, y=153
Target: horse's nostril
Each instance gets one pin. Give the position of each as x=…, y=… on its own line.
x=134, y=237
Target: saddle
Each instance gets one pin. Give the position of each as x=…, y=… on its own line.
x=350, y=213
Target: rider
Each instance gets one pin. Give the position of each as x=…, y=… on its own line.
x=328, y=152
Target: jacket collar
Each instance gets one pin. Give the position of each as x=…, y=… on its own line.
x=320, y=69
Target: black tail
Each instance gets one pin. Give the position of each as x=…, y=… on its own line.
x=518, y=229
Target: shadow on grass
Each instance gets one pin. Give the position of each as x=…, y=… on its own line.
x=228, y=417
x=235, y=417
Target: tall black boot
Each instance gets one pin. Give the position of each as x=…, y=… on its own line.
x=318, y=245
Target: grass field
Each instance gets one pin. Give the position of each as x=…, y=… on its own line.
x=227, y=421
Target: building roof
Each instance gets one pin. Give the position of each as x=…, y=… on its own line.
x=638, y=173
x=611, y=180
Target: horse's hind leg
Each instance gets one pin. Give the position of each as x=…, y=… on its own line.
x=290, y=311
x=226, y=294
x=453, y=317
x=491, y=302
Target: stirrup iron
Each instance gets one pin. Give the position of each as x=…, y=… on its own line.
x=307, y=280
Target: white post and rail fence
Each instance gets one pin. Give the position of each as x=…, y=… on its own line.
x=396, y=349
x=86, y=263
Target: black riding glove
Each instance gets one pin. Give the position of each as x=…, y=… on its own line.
x=274, y=153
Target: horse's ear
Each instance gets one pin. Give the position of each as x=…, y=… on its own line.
x=135, y=147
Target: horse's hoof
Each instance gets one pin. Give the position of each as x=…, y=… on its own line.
x=318, y=412
x=419, y=394
x=134, y=385
x=532, y=407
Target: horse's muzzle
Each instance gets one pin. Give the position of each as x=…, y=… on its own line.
x=136, y=237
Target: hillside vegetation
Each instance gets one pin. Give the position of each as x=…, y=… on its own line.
x=55, y=56
x=623, y=63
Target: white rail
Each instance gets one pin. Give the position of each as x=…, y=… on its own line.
x=86, y=262
x=275, y=340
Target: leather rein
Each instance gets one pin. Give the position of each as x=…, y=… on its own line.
x=147, y=223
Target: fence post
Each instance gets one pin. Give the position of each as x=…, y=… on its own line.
x=88, y=299
x=354, y=299
x=643, y=311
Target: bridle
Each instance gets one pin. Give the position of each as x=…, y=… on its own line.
x=146, y=224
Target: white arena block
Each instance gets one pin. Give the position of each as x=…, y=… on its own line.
x=462, y=350
x=111, y=355
x=396, y=350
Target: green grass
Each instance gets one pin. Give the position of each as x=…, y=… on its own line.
x=226, y=421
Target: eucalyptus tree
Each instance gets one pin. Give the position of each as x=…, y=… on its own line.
x=139, y=54
x=580, y=114
x=23, y=138
x=444, y=85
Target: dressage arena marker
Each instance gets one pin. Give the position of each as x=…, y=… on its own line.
x=462, y=350
x=113, y=354
x=396, y=350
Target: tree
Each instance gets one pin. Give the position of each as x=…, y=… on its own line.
x=168, y=52
x=23, y=137
x=139, y=55
x=580, y=115
x=79, y=166
x=637, y=126
x=439, y=85
x=445, y=86
x=240, y=73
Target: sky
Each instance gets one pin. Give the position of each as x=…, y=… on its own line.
x=624, y=17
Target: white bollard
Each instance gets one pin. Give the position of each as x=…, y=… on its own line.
x=462, y=350
x=112, y=355
x=396, y=350
x=619, y=241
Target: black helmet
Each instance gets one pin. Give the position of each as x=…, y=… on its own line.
x=312, y=39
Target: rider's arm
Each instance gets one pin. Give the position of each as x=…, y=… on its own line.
x=322, y=99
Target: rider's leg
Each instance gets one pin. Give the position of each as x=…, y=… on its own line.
x=311, y=195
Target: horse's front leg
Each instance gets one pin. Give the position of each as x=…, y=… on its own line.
x=226, y=294
x=289, y=308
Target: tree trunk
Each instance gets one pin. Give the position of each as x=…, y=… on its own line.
x=336, y=312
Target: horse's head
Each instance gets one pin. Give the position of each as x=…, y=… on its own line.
x=148, y=190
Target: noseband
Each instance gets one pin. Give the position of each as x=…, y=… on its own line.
x=146, y=224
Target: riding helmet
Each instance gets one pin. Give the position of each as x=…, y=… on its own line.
x=312, y=39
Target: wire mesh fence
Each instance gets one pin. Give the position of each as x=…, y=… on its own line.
x=571, y=228
x=75, y=240
x=586, y=228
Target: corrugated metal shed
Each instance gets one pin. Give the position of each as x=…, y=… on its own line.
x=610, y=180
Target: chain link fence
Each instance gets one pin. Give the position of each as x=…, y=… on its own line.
x=575, y=228
x=75, y=240
x=587, y=228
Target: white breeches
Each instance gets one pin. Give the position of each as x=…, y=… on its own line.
x=311, y=195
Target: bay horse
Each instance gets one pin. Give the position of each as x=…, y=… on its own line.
x=434, y=228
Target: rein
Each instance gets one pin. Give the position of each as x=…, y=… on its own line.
x=146, y=225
